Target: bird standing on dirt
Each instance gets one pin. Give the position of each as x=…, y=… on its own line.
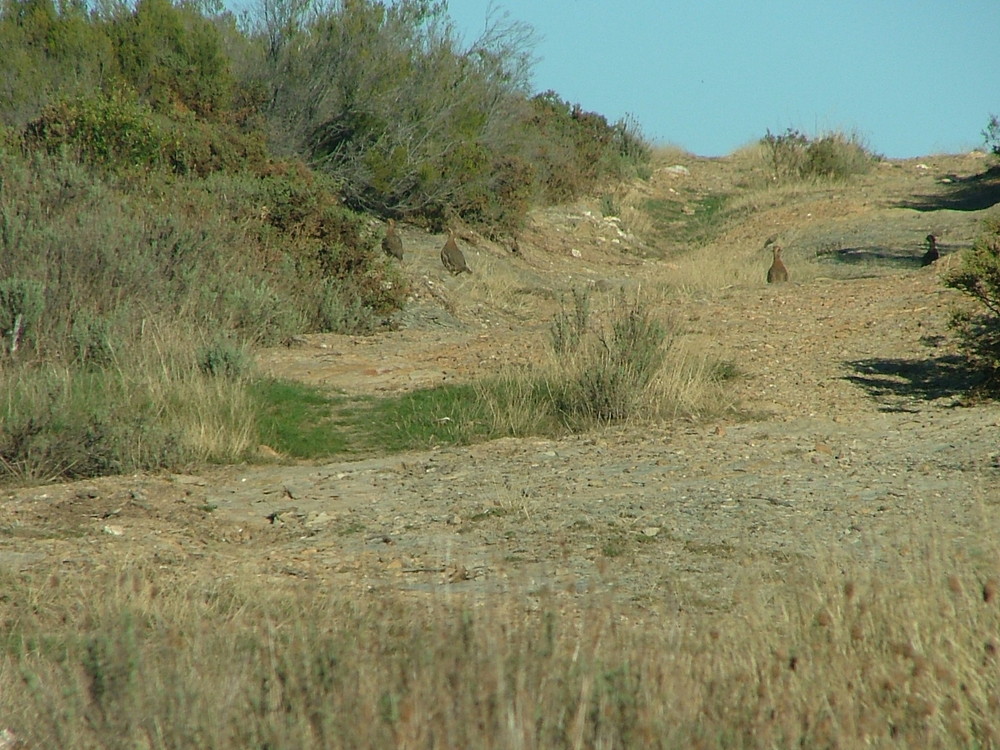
x=392, y=243
x=452, y=257
x=932, y=253
x=777, y=272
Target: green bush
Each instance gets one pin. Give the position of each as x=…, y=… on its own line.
x=385, y=99
x=794, y=155
x=50, y=49
x=91, y=340
x=224, y=357
x=119, y=132
x=614, y=368
x=991, y=135
x=172, y=55
x=109, y=131
x=979, y=331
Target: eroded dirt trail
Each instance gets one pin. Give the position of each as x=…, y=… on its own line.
x=849, y=440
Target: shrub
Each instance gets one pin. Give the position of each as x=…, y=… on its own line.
x=569, y=327
x=615, y=367
x=224, y=357
x=838, y=156
x=794, y=155
x=90, y=337
x=979, y=278
x=172, y=55
x=103, y=130
x=21, y=305
x=49, y=49
x=119, y=132
x=991, y=134
x=384, y=98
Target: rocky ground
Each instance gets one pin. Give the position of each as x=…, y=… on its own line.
x=852, y=433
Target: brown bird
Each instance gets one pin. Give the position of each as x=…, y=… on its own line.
x=777, y=272
x=932, y=253
x=392, y=243
x=452, y=257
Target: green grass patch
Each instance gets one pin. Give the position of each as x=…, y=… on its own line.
x=692, y=221
x=297, y=419
x=303, y=421
x=445, y=415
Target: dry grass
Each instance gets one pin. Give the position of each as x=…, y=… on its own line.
x=622, y=362
x=146, y=407
x=495, y=284
x=135, y=655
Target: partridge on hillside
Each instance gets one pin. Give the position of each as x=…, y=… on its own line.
x=452, y=257
x=777, y=272
x=392, y=243
x=932, y=253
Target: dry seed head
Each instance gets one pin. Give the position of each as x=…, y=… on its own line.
x=954, y=584
x=944, y=675
x=824, y=618
x=905, y=650
x=921, y=706
x=857, y=632
x=849, y=590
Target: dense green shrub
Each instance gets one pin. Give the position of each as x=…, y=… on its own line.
x=171, y=54
x=979, y=331
x=614, y=367
x=794, y=155
x=991, y=134
x=50, y=50
x=120, y=132
x=111, y=131
x=408, y=122
x=224, y=357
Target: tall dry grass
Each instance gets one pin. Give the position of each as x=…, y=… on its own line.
x=619, y=361
x=148, y=404
x=138, y=655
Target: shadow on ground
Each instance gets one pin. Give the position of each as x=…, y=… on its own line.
x=896, y=384
x=975, y=193
x=877, y=255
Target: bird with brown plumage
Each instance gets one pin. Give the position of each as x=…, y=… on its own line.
x=932, y=253
x=452, y=257
x=392, y=243
x=777, y=273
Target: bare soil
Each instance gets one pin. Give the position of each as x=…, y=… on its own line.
x=852, y=431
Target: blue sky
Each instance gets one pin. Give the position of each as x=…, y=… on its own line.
x=912, y=77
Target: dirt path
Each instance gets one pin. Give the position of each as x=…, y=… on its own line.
x=853, y=442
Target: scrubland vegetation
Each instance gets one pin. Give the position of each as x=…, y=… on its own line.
x=978, y=328
x=180, y=185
